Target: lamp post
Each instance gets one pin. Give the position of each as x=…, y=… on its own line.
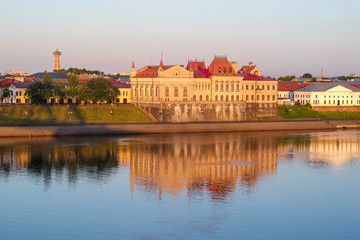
x=70, y=114
x=112, y=115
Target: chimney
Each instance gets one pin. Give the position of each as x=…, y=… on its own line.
x=234, y=66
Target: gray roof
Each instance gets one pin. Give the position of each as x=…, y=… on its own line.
x=322, y=87
x=40, y=75
x=21, y=84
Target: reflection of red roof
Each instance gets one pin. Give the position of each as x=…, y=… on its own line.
x=252, y=77
x=150, y=71
x=289, y=87
x=355, y=85
x=6, y=82
x=196, y=66
x=221, y=66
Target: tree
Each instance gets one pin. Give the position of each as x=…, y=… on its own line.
x=48, y=86
x=5, y=92
x=307, y=75
x=83, y=92
x=36, y=92
x=59, y=91
x=102, y=89
x=287, y=78
x=73, y=87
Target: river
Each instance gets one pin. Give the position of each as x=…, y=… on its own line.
x=272, y=185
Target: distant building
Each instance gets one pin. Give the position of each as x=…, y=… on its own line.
x=250, y=69
x=353, y=76
x=286, y=92
x=55, y=76
x=124, y=92
x=57, y=55
x=328, y=94
x=17, y=93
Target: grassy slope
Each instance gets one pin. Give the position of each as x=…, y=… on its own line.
x=305, y=112
x=14, y=120
x=80, y=113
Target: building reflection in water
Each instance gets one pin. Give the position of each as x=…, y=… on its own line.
x=191, y=164
x=198, y=163
x=321, y=149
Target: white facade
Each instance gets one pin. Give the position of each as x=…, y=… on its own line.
x=340, y=95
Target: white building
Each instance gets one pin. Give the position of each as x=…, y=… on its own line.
x=328, y=94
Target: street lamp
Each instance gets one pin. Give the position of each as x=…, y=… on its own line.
x=112, y=115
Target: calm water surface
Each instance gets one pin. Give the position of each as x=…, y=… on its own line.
x=186, y=186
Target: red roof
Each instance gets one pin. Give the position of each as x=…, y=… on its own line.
x=196, y=66
x=355, y=85
x=247, y=69
x=151, y=71
x=221, y=66
x=252, y=77
x=6, y=82
x=290, y=87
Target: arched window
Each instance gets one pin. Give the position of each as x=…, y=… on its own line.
x=247, y=97
x=194, y=98
x=207, y=98
x=232, y=87
x=257, y=98
x=268, y=97
x=222, y=98
x=237, y=87
x=227, y=98
x=263, y=87
x=227, y=87
x=224, y=69
x=221, y=87
x=273, y=87
x=247, y=87
x=185, y=93
x=232, y=98
x=237, y=98
x=252, y=97
x=252, y=87
x=268, y=87
x=176, y=92
x=216, y=87
x=219, y=69
x=201, y=98
x=216, y=98
x=167, y=92
x=274, y=96
x=263, y=97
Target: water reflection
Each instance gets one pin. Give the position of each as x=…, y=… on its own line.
x=333, y=149
x=184, y=164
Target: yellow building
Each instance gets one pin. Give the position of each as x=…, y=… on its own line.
x=17, y=93
x=124, y=92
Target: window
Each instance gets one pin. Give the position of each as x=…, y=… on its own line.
x=185, y=93
x=201, y=98
x=227, y=87
x=167, y=92
x=216, y=87
x=263, y=87
x=221, y=87
x=232, y=98
x=219, y=69
x=268, y=87
x=247, y=97
x=237, y=98
x=273, y=87
x=237, y=87
x=252, y=97
x=207, y=98
x=252, y=87
x=232, y=87
x=273, y=97
x=216, y=98
x=222, y=98
x=176, y=92
x=194, y=98
x=247, y=87
x=224, y=69
x=268, y=97
x=263, y=97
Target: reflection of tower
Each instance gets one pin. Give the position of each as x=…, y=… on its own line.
x=57, y=55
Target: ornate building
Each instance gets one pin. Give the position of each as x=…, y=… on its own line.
x=217, y=85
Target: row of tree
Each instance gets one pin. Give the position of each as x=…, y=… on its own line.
x=95, y=90
x=78, y=71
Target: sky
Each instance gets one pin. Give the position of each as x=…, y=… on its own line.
x=282, y=37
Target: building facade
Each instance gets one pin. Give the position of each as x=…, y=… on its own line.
x=328, y=94
x=197, y=89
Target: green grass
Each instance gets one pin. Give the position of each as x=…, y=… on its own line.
x=80, y=113
x=305, y=112
x=6, y=120
x=340, y=115
x=297, y=112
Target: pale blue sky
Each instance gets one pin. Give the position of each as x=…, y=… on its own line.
x=281, y=36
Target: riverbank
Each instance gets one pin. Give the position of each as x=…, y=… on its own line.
x=154, y=128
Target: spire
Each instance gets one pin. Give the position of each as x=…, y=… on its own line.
x=161, y=64
x=133, y=65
